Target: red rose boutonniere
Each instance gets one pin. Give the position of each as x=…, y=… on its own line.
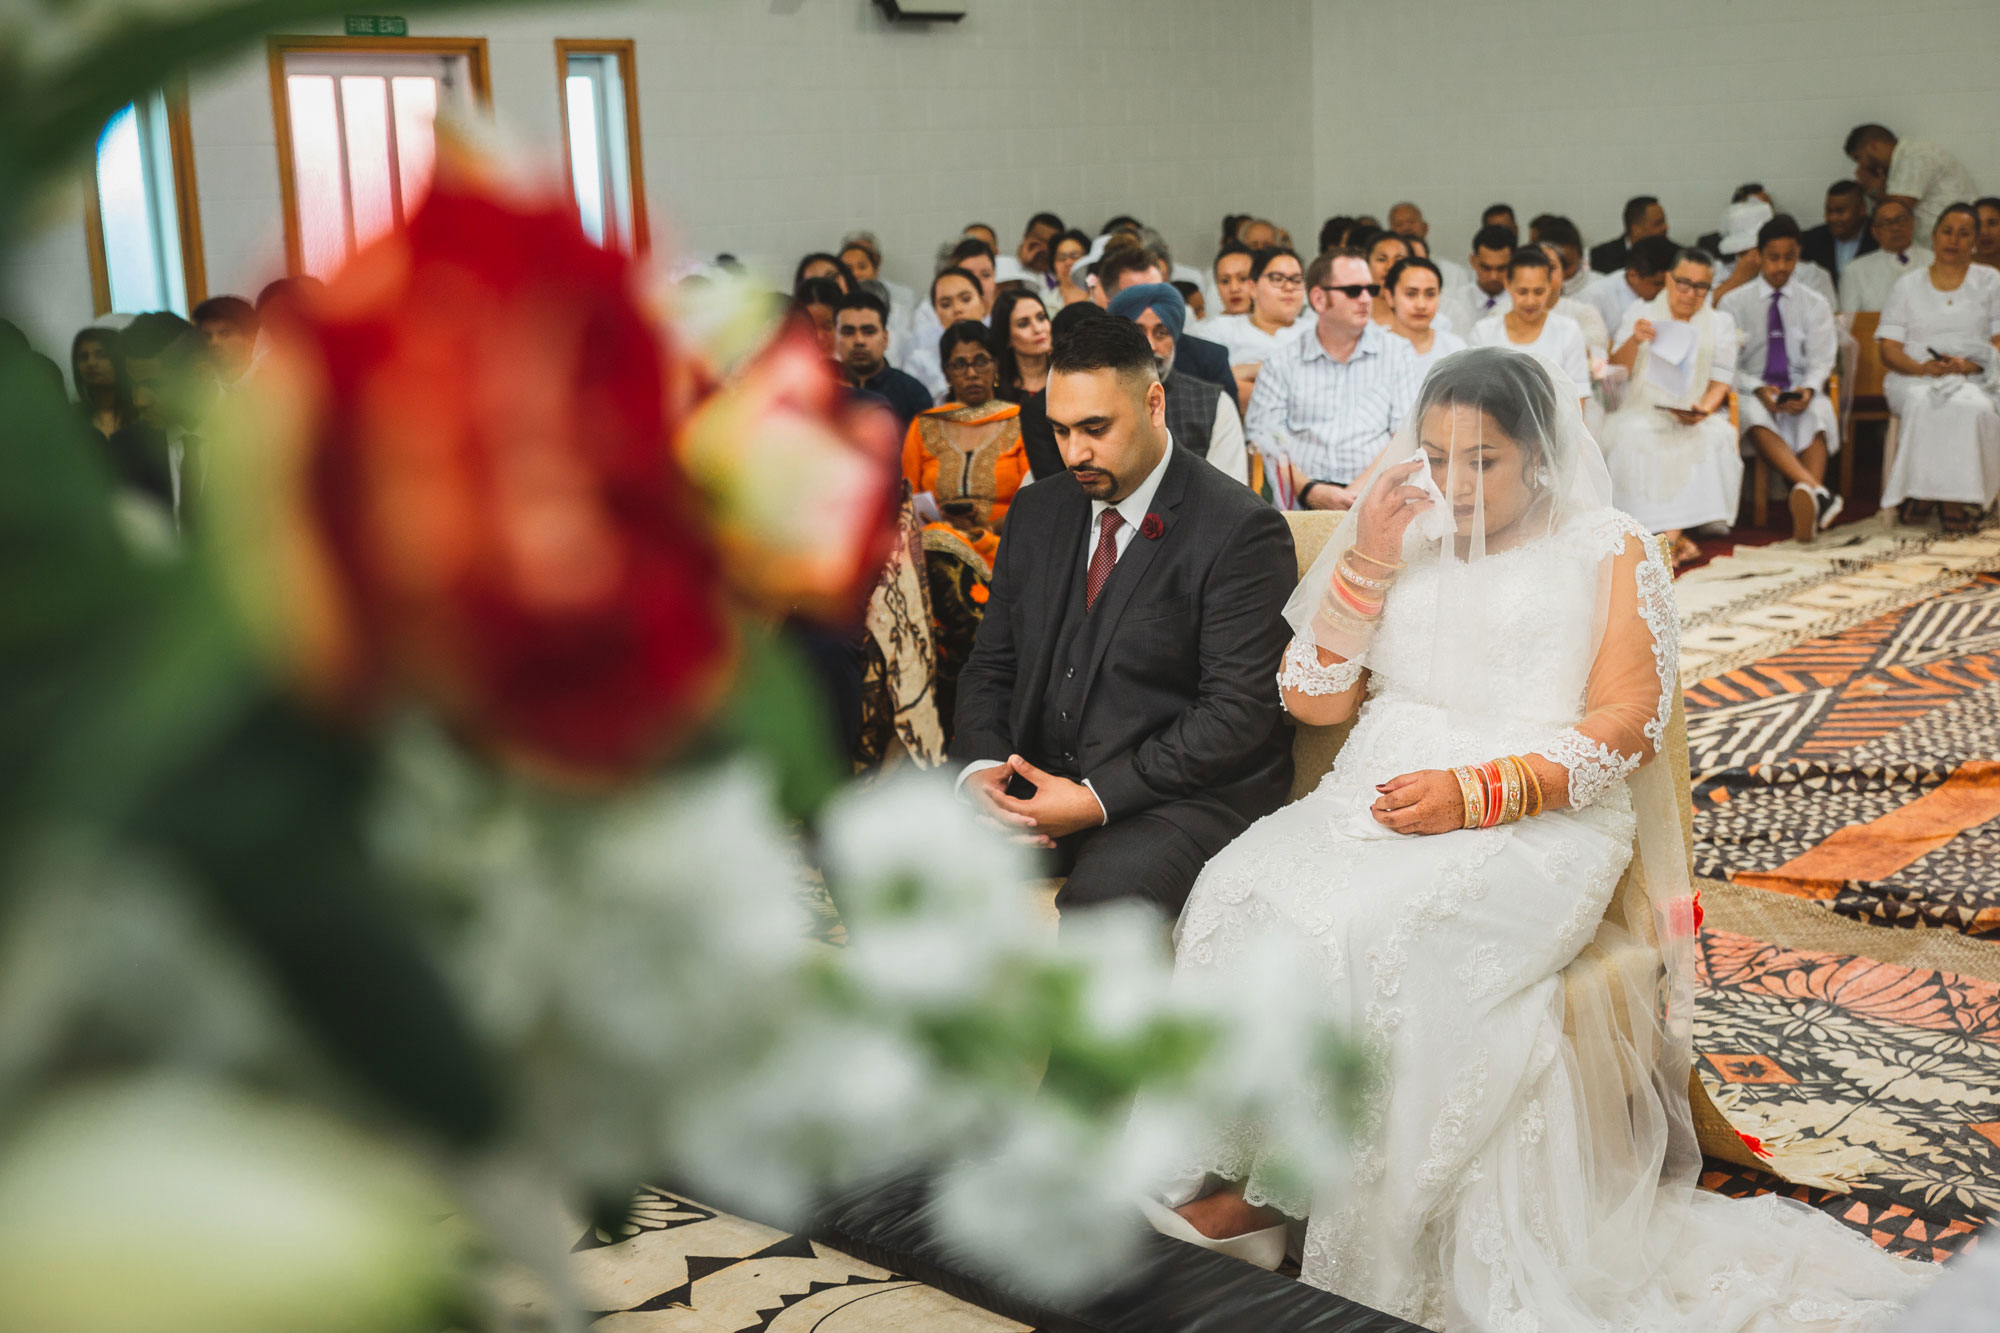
x=1150, y=528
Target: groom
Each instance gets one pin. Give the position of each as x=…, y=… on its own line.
x=1121, y=702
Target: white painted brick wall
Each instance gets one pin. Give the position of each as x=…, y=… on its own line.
x=1573, y=106
x=771, y=133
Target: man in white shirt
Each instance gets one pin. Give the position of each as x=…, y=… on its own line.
x=1647, y=263
x=1787, y=351
x=1915, y=172
x=1866, y=283
x=1032, y=260
x=1986, y=249
x=1553, y=230
x=1463, y=307
x=1327, y=403
x=1406, y=219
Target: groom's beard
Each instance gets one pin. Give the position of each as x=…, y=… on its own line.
x=1096, y=482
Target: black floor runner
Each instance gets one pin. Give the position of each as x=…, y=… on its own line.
x=1173, y=1288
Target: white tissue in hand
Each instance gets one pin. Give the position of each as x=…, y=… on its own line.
x=1435, y=523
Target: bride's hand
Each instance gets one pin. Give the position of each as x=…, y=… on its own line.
x=1424, y=802
x=1386, y=514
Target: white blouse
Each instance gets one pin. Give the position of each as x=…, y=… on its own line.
x=1960, y=322
x=1443, y=343
x=1248, y=345
x=1560, y=343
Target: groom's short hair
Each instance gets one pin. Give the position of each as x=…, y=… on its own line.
x=1117, y=345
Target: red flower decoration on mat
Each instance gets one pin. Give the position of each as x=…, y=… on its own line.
x=1150, y=527
x=461, y=487
x=1754, y=1144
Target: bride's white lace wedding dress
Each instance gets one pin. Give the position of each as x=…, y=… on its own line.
x=1526, y=1161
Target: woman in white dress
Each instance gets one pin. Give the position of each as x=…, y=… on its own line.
x=1525, y=1158
x=1414, y=286
x=1939, y=331
x=1674, y=458
x=1530, y=323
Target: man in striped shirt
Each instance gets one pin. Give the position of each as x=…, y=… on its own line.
x=1329, y=402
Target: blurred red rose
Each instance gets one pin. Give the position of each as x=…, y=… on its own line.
x=1754, y=1144
x=469, y=435
x=803, y=482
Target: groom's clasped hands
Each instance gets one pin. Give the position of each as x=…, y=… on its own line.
x=1058, y=807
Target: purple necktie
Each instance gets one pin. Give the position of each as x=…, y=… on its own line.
x=1777, y=362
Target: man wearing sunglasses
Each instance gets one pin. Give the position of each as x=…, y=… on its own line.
x=1328, y=402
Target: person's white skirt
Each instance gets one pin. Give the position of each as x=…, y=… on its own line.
x=1796, y=429
x=1948, y=447
x=1669, y=476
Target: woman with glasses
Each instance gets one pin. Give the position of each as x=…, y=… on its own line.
x=964, y=461
x=1673, y=455
x=1277, y=295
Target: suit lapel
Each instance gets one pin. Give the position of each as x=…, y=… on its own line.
x=1066, y=530
x=1131, y=568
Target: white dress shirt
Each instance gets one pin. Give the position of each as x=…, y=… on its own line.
x=1810, y=342
x=1612, y=296
x=1865, y=284
x=1928, y=174
x=1332, y=417
x=1133, y=510
x=1247, y=344
x=1559, y=343
x=1461, y=308
x=1226, y=450
x=1596, y=333
x=1573, y=287
x=1812, y=277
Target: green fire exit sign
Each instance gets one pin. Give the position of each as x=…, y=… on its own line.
x=377, y=25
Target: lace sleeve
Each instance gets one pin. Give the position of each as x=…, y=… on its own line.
x=1630, y=696
x=1303, y=674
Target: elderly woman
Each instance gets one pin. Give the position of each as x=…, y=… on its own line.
x=1939, y=332
x=1201, y=415
x=965, y=460
x=1674, y=458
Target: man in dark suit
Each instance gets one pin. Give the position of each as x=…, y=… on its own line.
x=1643, y=217
x=1845, y=235
x=1121, y=702
x=1133, y=265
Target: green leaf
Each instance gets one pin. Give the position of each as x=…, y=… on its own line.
x=778, y=713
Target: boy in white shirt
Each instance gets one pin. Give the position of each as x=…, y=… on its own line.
x=1787, y=350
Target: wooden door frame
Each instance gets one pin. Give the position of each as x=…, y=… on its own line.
x=478, y=70
x=627, y=52
x=187, y=210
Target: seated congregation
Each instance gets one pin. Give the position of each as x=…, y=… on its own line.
x=1322, y=600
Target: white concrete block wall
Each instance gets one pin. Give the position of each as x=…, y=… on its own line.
x=770, y=133
x=1573, y=106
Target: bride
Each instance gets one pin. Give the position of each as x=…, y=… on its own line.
x=1526, y=1159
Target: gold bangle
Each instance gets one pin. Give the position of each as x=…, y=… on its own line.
x=1510, y=790
x=1470, y=790
x=1374, y=560
x=1534, y=782
x=1359, y=580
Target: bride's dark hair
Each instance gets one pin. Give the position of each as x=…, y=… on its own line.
x=1511, y=387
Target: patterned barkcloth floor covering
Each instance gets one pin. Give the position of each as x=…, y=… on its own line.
x=1843, y=708
x=1844, y=727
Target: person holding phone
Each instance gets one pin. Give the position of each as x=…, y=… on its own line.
x=1788, y=350
x=1938, y=335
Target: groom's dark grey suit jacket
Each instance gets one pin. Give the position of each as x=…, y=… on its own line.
x=1164, y=694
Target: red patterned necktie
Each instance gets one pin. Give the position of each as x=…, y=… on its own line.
x=1103, y=558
